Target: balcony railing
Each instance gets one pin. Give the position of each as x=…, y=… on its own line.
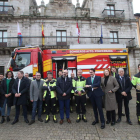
x=51, y=41
x=6, y=10
x=113, y=14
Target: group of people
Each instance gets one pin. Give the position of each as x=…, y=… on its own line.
x=109, y=91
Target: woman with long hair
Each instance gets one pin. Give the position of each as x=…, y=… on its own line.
x=7, y=97
x=110, y=86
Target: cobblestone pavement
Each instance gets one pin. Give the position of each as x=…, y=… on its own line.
x=77, y=131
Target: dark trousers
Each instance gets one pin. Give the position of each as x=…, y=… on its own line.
x=37, y=105
x=97, y=104
x=138, y=104
x=24, y=107
x=126, y=105
x=29, y=106
x=80, y=102
x=71, y=99
x=50, y=106
x=65, y=103
x=111, y=116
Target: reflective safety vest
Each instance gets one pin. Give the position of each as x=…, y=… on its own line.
x=49, y=92
x=136, y=81
x=73, y=85
x=80, y=83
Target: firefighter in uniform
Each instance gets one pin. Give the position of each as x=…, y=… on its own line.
x=80, y=96
x=49, y=88
x=136, y=84
x=72, y=93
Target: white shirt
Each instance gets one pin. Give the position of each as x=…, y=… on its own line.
x=19, y=84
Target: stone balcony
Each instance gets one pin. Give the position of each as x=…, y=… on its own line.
x=113, y=15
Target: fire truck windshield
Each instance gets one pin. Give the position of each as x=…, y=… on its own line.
x=21, y=61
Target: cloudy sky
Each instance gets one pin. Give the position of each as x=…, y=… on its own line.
x=136, y=4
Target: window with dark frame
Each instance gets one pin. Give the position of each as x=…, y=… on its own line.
x=3, y=40
x=61, y=37
x=2, y=70
x=110, y=10
x=3, y=6
x=114, y=37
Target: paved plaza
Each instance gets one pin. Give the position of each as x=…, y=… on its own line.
x=74, y=131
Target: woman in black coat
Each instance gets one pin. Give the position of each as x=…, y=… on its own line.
x=7, y=97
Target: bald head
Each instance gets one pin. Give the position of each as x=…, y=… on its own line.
x=65, y=73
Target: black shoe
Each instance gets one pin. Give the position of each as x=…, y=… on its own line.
x=107, y=122
x=93, y=123
x=54, y=119
x=8, y=119
x=26, y=120
x=112, y=123
x=129, y=122
x=123, y=114
x=39, y=119
x=102, y=125
x=47, y=119
x=84, y=118
x=119, y=120
x=31, y=122
x=138, y=122
x=78, y=118
x=2, y=120
x=15, y=121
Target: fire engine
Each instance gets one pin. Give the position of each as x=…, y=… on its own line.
x=32, y=59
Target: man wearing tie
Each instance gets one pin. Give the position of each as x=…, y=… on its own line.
x=95, y=94
x=123, y=93
x=63, y=88
x=20, y=89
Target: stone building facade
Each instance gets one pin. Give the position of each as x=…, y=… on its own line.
x=59, y=18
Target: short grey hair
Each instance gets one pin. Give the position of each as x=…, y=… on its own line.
x=120, y=69
x=79, y=70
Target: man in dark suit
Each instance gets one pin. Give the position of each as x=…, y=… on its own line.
x=20, y=90
x=123, y=94
x=95, y=94
x=63, y=88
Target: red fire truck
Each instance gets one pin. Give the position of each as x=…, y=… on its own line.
x=33, y=59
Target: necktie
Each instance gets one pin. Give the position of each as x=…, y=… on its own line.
x=92, y=79
x=114, y=74
x=122, y=79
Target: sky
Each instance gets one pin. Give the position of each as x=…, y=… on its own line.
x=136, y=4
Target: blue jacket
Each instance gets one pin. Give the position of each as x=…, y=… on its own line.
x=63, y=87
x=97, y=83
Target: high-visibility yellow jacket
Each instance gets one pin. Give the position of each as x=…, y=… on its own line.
x=136, y=81
x=79, y=85
x=49, y=88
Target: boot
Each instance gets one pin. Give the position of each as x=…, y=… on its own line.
x=54, y=119
x=47, y=119
x=78, y=118
x=2, y=120
x=8, y=119
x=71, y=110
x=84, y=118
x=31, y=122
